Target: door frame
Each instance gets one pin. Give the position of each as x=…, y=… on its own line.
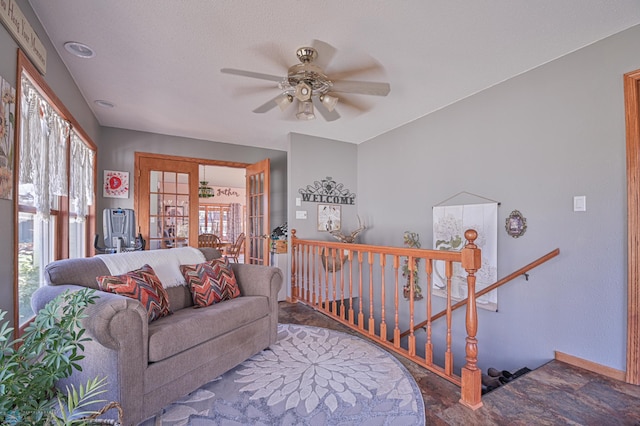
x=632, y=119
x=140, y=155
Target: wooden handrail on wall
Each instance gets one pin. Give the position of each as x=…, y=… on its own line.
x=499, y=283
x=338, y=278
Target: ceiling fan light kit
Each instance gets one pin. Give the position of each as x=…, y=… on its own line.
x=308, y=84
x=284, y=101
x=305, y=111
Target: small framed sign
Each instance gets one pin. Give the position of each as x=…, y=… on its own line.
x=116, y=184
x=328, y=217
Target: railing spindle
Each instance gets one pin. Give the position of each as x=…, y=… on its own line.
x=360, y=312
x=412, y=337
x=396, y=330
x=336, y=259
x=294, y=273
x=448, y=359
x=372, y=321
x=428, y=347
x=351, y=316
x=383, y=323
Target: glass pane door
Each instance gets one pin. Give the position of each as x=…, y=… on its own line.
x=167, y=203
x=258, y=189
x=168, y=209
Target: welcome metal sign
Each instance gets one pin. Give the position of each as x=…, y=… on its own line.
x=327, y=191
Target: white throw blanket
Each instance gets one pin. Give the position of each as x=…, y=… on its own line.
x=165, y=263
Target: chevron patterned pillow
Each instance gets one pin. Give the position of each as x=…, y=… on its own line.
x=142, y=284
x=211, y=282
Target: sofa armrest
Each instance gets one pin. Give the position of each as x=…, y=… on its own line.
x=118, y=350
x=259, y=280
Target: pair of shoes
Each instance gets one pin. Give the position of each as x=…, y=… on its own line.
x=491, y=382
x=504, y=376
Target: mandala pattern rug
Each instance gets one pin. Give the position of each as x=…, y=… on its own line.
x=311, y=376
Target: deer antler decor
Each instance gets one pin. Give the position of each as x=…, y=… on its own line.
x=351, y=238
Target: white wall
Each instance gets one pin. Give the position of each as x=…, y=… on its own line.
x=532, y=143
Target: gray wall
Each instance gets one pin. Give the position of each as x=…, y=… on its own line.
x=8, y=72
x=58, y=78
x=118, y=146
x=532, y=143
x=313, y=159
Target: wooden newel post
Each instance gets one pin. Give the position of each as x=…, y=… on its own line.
x=294, y=281
x=471, y=390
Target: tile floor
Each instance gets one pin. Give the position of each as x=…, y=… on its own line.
x=554, y=394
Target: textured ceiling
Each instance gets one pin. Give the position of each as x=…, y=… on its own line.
x=159, y=61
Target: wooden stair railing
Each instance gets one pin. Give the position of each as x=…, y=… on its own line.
x=499, y=283
x=328, y=276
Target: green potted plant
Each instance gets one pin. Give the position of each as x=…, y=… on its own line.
x=412, y=240
x=48, y=350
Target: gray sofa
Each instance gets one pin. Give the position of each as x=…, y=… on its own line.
x=149, y=365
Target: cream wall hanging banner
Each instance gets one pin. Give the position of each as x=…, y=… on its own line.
x=449, y=226
x=7, y=129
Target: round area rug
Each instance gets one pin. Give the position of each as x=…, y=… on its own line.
x=311, y=376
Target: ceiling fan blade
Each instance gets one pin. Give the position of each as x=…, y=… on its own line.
x=273, y=53
x=324, y=112
x=359, y=106
x=341, y=75
x=361, y=87
x=251, y=74
x=252, y=90
x=326, y=52
x=267, y=106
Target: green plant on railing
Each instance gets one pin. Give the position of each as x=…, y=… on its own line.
x=411, y=240
x=48, y=350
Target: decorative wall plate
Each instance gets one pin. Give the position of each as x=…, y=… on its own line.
x=116, y=184
x=516, y=224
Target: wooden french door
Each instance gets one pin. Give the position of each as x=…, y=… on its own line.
x=258, y=190
x=632, y=113
x=167, y=201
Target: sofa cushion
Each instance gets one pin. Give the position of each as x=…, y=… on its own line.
x=187, y=328
x=211, y=282
x=142, y=284
x=80, y=271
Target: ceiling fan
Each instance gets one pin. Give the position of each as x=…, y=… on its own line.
x=307, y=83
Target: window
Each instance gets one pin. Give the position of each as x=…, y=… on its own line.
x=55, y=186
x=218, y=219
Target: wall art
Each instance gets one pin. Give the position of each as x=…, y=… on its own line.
x=7, y=133
x=329, y=217
x=515, y=224
x=449, y=226
x=116, y=184
x=327, y=191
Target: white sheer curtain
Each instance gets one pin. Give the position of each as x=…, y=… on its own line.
x=81, y=177
x=235, y=221
x=43, y=144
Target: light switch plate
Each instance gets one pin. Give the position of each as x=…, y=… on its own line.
x=580, y=203
x=298, y=201
x=301, y=214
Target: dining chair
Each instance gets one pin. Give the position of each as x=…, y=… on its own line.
x=235, y=250
x=209, y=240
